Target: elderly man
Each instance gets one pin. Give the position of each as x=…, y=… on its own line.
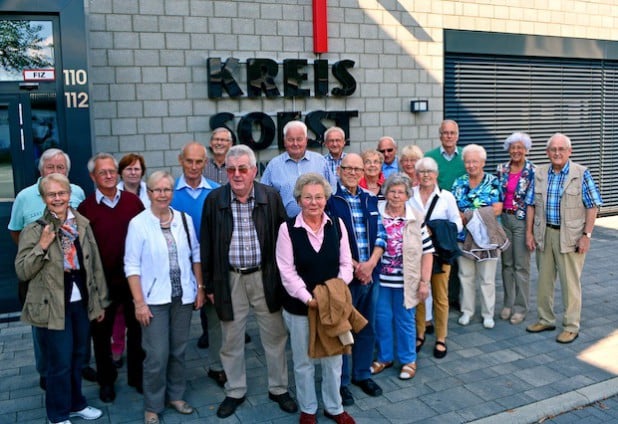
x=220, y=143
x=109, y=211
x=28, y=206
x=358, y=210
x=562, y=209
x=388, y=147
x=334, y=139
x=241, y=220
x=283, y=170
x=190, y=192
x=448, y=155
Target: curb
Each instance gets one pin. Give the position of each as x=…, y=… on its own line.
x=534, y=412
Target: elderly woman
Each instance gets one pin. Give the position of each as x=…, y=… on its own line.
x=162, y=264
x=404, y=278
x=407, y=161
x=132, y=169
x=436, y=204
x=59, y=256
x=472, y=191
x=373, y=177
x=516, y=177
x=311, y=249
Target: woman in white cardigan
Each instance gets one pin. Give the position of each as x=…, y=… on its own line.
x=162, y=264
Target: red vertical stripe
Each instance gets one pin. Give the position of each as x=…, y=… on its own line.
x=320, y=27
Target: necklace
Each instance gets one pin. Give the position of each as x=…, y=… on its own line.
x=169, y=220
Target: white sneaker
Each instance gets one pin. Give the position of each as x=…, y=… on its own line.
x=464, y=319
x=88, y=413
x=489, y=323
x=62, y=422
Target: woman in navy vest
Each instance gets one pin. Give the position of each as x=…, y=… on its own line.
x=311, y=249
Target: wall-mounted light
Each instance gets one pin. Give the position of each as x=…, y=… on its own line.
x=419, y=106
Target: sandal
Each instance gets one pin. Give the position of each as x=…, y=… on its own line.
x=429, y=328
x=182, y=407
x=420, y=341
x=408, y=371
x=377, y=367
x=439, y=353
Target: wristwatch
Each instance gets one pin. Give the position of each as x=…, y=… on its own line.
x=589, y=235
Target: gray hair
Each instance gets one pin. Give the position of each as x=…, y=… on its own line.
x=241, y=150
x=51, y=153
x=398, y=178
x=474, y=148
x=54, y=178
x=518, y=137
x=334, y=129
x=566, y=139
x=448, y=121
x=99, y=156
x=386, y=137
x=221, y=129
x=295, y=124
x=426, y=163
x=311, y=178
x=157, y=176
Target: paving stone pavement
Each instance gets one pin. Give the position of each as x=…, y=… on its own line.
x=503, y=375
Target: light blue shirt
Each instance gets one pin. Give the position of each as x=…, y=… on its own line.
x=283, y=171
x=391, y=169
x=101, y=198
x=29, y=206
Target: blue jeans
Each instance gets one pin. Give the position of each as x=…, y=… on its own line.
x=364, y=299
x=66, y=353
x=391, y=312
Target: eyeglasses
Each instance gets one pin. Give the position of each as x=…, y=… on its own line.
x=242, y=170
x=221, y=139
x=557, y=149
x=53, y=195
x=391, y=150
x=425, y=171
x=351, y=170
x=104, y=172
x=133, y=169
x=160, y=190
x=317, y=199
x=448, y=132
x=60, y=168
x=295, y=139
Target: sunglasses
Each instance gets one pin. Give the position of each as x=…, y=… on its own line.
x=391, y=150
x=242, y=170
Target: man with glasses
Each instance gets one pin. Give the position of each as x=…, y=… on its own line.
x=448, y=155
x=358, y=209
x=241, y=220
x=388, y=147
x=27, y=207
x=190, y=193
x=334, y=139
x=562, y=209
x=283, y=170
x=109, y=211
x=220, y=143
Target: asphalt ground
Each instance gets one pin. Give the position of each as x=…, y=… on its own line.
x=502, y=375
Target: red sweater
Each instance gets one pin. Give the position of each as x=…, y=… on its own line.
x=110, y=226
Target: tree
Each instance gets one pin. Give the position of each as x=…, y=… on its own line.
x=20, y=46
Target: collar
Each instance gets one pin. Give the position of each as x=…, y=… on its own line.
x=444, y=152
x=287, y=157
x=182, y=183
x=563, y=171
x=250, y=197
x=99, y=196
x=300, y=222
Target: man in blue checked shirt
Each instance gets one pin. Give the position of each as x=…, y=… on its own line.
x=563, y=192
x=358, y=209
x=283, y=170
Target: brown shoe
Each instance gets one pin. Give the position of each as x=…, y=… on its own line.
x=539, y=327
x=566, y=337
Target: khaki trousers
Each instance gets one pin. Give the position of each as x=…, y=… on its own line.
x=569, y=267
x=439, y=290
x=469, y=270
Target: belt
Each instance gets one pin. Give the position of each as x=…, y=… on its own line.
x=555, y=227
x=509, y=211
x=245, y=271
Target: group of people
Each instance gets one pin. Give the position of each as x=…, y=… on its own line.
x=344, y=255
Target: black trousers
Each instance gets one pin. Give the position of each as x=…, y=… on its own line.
x=102, y=336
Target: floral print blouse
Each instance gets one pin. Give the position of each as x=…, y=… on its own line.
x=523, y=185
x=488, y=192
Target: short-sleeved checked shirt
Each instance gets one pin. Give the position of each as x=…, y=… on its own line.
x=244, y=247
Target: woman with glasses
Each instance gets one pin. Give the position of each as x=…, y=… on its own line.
x=372, y=178
x=440, y=205
x=59, y=256
x=162, y=264
x=407, y=160
x=516, y=177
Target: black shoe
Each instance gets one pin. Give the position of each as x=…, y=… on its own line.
x=107, y=394
x=228, y=406
x=219, y=377
x=440, y=353
x=247, y=338
x=118, y=363
x=429, y=328
x=285, y=401
x=89, y=374
x=43, y=383
x=138, y=387
x=369, y=386
x=346, y=396
x=202, y=342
